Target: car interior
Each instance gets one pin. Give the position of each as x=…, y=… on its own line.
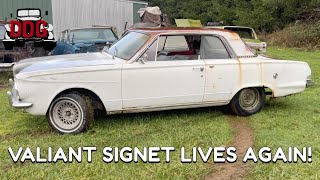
x=186, y=47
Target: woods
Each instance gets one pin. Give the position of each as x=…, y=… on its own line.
x=263, y=15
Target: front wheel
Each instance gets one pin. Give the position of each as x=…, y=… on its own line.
x=248, y=101
x=70, y=114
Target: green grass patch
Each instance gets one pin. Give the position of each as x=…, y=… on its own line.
x=284, y=122
x=4, y=78
x=202, y=127
x=290, y=122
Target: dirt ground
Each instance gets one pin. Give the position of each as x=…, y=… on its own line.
x=3, y=87
x=243, y=139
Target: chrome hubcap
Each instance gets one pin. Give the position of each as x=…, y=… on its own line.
x=66, y=114
x=249, y=99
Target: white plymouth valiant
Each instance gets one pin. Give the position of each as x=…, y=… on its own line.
x=153, y=69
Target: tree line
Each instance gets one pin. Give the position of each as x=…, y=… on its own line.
x=263, y=15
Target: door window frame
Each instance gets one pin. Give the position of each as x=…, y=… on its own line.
x=226, y=44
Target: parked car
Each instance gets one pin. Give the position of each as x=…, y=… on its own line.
x=152, y=69
x=248, y=35
x=83, y=40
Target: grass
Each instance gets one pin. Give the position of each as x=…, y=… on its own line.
x=4, y=78
x=203, y=127
x=290, y=122
x=284, y=122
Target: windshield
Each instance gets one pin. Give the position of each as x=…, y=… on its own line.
x=92, y=35
x=245, y=33
x=27, y=13
x=2, y=31
x=128, y=45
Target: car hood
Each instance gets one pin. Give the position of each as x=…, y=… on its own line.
x=50, y=63
x=92, y=46
x=90, y=43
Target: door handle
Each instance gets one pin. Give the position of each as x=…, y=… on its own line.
x=200, y=69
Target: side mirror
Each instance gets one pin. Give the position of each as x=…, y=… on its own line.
x=141, y=60
x=46, y=13
x=11, y=15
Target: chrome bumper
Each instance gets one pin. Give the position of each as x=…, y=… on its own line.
x=309, y=83
x=13, y=98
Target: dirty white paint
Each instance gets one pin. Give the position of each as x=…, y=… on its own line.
x=84, y=13
x=131, y=86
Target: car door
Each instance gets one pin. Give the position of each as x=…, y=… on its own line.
x=168, y=76
x=223, y=73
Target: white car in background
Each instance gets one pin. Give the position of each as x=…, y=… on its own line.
x=152, y=69
x=248, y=35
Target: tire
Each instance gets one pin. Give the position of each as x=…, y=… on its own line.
x=71, y=114
x=248, y=101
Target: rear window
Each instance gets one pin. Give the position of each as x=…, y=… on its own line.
x=245, y=33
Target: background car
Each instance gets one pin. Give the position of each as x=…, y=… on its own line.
x=83, y=40
x=248, y=35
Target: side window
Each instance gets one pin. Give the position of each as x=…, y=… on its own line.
x=174, y=48
x=150, y=54
x=173, y=43
x=212, y=48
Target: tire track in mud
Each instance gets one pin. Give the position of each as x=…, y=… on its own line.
x=243, y=138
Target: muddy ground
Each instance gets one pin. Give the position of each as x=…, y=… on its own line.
x=243, y=138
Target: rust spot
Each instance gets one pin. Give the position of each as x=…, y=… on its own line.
x=235, y=36
x=240, y=72
x=158, y=30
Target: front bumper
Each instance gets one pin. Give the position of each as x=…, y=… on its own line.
x=13, y=97
x=309, y=83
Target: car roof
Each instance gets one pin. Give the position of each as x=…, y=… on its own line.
x=161, y=30
x=244, y=27
x=104, y=27
x=232, y=37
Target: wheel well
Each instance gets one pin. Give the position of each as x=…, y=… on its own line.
x=267, y=90
x=96, y=101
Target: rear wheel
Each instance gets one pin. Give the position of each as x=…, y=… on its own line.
x=71, y=114
x=248, y=101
